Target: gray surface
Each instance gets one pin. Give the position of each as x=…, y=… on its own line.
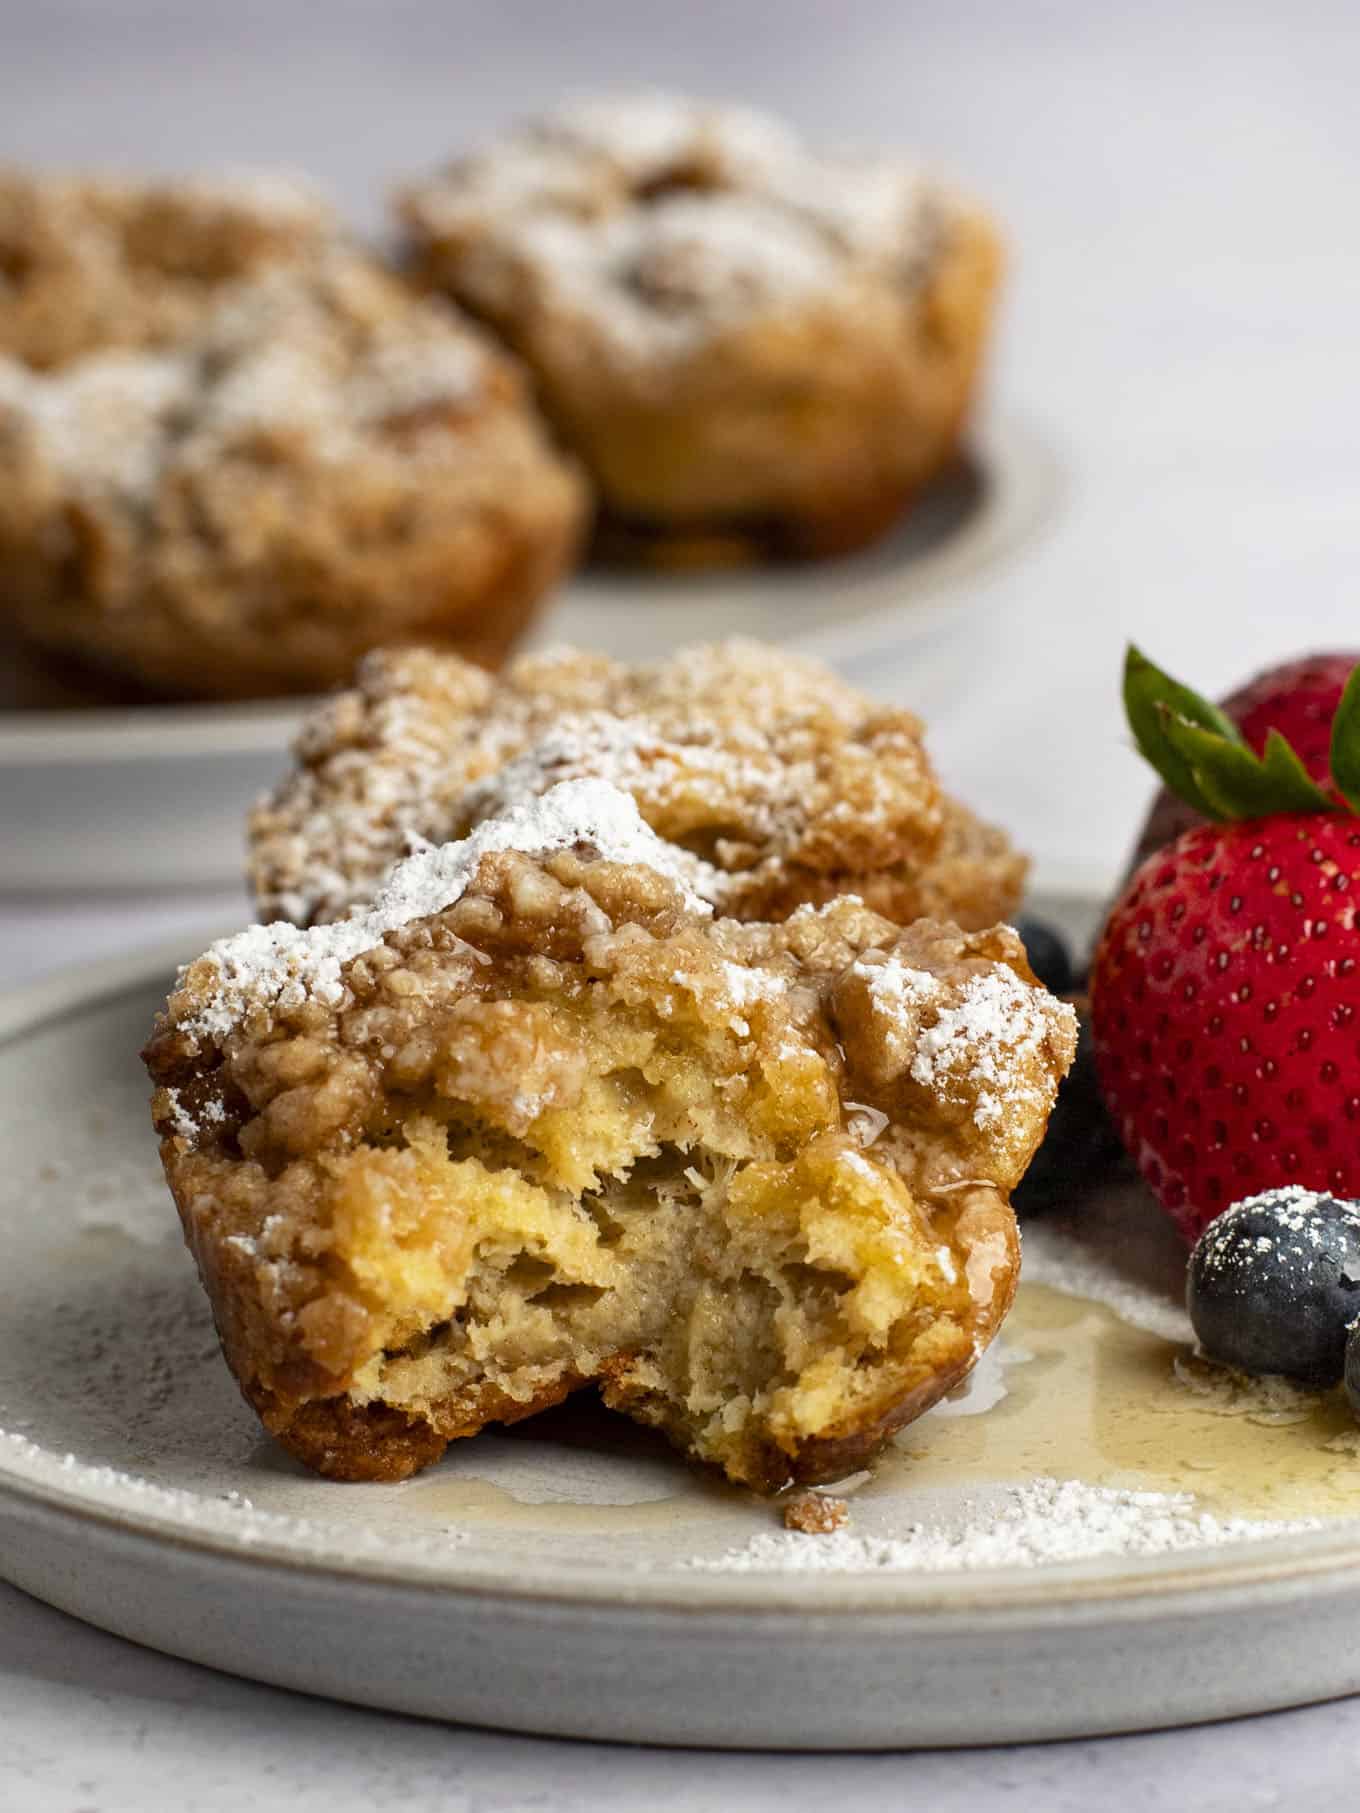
x=92, y=1723
x=1180, y=188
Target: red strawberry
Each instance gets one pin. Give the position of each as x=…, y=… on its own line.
x=1299, y=700
x=1225, y=993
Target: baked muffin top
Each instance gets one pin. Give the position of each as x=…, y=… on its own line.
x=775, y=782
x=665, y=223
x=91, y=262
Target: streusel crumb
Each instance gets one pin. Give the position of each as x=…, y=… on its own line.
x=777, y=783
x=816, y=1514
x=89, y=263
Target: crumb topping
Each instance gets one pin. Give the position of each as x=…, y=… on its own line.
x=972, y=1039
x=778, y=781
x=272, y=360
x=282, y=964
x=90, y=263
x=816, y=1513
x=665, y=221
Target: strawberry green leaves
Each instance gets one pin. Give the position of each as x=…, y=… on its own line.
x=1202, y=756
x=1344, y=760
x=1237, y=782
x=1151, y=699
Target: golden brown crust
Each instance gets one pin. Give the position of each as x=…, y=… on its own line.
x=322, y=465
x=755, y=349
x=879, y=440
x=787, y=785
x=388, y=1173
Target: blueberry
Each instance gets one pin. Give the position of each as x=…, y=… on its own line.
x=1080, y=1147
x=1353, y=1368
x=1049, y=956
x=1274, y=1284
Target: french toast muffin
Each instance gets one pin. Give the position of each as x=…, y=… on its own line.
x=321, y=463
x=536, y=1119
x=92, y=262
x=757, y=349
x=778, y=784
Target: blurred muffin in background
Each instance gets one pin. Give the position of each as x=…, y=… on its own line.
x=759, y=350
x=89, y=262
x=256, y=492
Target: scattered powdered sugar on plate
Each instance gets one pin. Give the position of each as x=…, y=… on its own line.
x=1120, y=1252
x=229, y=1514
x=114, y=1191
x=1043, y=1523
x=120, y=1200
x=284, y=963
x=1223, y=1391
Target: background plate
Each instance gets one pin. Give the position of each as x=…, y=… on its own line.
x=535, y=1579
x=151, y=796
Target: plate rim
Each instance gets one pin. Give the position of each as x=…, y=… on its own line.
x=1020, y=504
x=1140, y=1586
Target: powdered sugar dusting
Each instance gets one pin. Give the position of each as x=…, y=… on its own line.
x=660, y=279
x=275, y=197
x=995, y=1022
x=659, y=771
x=1294, y=1224
x=1267, y=1398
x=645, y=133
x=269, y=357
x=982, y=1038
x=661, y=221
x=1046, y=1522
x=764, y=751
x=229, y=1515
x=104, y=424
x=284, y=964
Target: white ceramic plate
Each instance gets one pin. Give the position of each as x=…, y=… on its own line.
x=534, y=1579
x=148, y=796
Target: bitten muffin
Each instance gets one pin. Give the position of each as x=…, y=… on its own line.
x=93, y=262
x=536, y=1120
x=778, y=784
x=321, y=464
x=755, y=347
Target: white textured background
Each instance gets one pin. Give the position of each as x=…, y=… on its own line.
x=1180, y=185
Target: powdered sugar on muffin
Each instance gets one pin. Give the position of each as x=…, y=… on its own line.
x=781, y=783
